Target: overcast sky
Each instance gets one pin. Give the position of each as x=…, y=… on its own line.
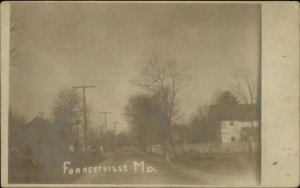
x=106, y=44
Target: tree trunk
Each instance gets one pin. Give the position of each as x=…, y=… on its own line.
x=171, y=141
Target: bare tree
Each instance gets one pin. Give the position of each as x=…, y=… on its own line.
x=67, y=106
x=201, y=114
x=224, y=97
x=147, y=120
x=164, y=80
x=17, y=25
x=245, y=86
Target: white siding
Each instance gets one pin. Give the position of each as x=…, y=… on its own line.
x=230, y=130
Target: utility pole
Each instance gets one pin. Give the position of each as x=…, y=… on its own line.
x=105, y=127
x=115, y=138
x=100, y=131
x=84, y=113
x=105, y=122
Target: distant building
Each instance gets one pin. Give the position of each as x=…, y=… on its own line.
x=236, y=122
x=48, y=142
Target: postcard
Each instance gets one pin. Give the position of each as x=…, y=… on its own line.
x=152, y=94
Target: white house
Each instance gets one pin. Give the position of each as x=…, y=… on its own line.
x=231, y=131
x=236, y=122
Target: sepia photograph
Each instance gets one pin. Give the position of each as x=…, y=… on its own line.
x=134, y=93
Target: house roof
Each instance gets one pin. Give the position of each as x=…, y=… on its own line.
x=239, y=112
x=38, y=121
x=58, y=130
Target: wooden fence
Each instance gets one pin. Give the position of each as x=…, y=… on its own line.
x=209, y=148
x=157, y=149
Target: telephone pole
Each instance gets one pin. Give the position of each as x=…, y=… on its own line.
x=105, y=122
x=84, y=113
x=105, y=128
x=115, y=138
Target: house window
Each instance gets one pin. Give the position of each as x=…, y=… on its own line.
x=231, y=123
x=232, y=139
